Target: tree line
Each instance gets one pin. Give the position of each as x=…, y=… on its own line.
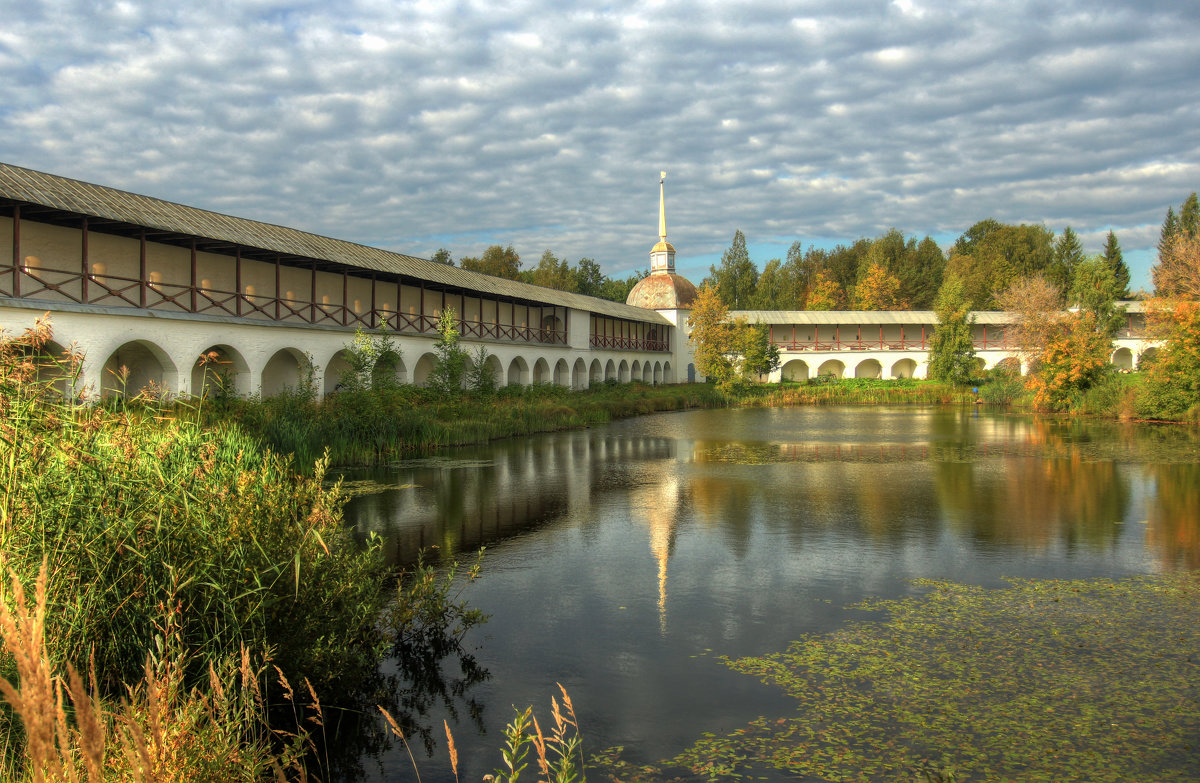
x=584, y=277
x=898, y=272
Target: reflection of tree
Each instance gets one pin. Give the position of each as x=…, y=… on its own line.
x=1174, y=523
x=1034, y=502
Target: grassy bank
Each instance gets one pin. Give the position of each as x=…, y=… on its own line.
x=374, y=426
x=178, y=566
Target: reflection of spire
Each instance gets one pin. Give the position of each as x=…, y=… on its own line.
x=657, y=505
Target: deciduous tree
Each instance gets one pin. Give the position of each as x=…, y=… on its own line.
x=952, y=349
x=991, y=256
x=878, y=290
x=824, y=294
x=496, y=260
x=552, y=272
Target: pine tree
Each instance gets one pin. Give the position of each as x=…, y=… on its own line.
x=736, y=278
x=1170, y=229
x=1068, y=253
x=1116, y=262
x=1189, y=216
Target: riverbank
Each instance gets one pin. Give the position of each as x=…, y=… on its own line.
x=375, y=426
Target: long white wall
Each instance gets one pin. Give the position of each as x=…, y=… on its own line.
x=163, y=350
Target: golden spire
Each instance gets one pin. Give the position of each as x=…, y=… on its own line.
x=662, y=208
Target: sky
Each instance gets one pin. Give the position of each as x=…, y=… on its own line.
x=541, y=123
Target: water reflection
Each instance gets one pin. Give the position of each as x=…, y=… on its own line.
x=619, y=557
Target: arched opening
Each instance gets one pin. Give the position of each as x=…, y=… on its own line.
x=422, y=370
x=610, y=371
x=668, y=373
x=283, y=372
x=905, y=368
x=579, y=380
x=657, y=373
x=494, y=366
x=389, y=370
x=868, y=368
x=562, y=373
x=518, y=372
x=541, y=371
x=1122, y=359
x=1146, y=358
x=595, y=373
x=338, y=374
x=832, y=367
x=691, y=372
x=219, y=372
x=138, y=369
x=795, y=370
x=623, y=371
x=1009, y=364
x=647, y=373
x=635, y=370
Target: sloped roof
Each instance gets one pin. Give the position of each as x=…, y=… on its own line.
x=834, y=317
x=122, y=212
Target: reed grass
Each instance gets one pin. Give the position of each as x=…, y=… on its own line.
x=162, y=730
x=141, y=512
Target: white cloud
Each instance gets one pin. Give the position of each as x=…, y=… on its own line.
x=400, y=124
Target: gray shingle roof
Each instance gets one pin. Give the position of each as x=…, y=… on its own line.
x=83, y=198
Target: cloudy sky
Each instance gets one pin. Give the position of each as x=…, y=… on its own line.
x=418, y=125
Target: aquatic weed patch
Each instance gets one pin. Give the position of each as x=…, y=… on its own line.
x=1094, y=680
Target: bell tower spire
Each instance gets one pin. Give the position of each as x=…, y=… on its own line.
x=662, y=255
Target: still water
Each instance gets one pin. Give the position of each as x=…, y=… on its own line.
x=621, y=561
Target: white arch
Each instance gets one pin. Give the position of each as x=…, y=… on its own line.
x=794, y=370
x=1146, y=356
x=562, y=373
x=422, y=370
x=668, y=373
x=336, y=368
x=868, y=368
x=832, y=367
x=905, y=368
x=579, y=379
x=138, y=367
x=647, y=372
x=610, y=370
x=541, y=371
x=635, y=370
x=283, y=371
x=497, y=369
x=623, y=371
x=657, y=373
x=518, y=372
x=596, y=373
x=220, y=370
x=389, y=369
x=1123, y=358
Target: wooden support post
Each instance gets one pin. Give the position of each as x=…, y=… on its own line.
x=18, y=262
x=277, y=277
x=312, y=296
x=372, y=316
x=237, y=278
x=83, y=263
x=345, y=298
x=142, y=269
x=195, y=302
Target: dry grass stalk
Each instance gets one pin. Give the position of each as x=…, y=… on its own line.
x=452, y=748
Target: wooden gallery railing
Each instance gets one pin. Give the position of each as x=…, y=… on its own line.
x=94, y=286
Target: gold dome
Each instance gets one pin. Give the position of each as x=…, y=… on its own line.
x=661, y=246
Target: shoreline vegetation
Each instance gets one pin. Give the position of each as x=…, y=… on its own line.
x=192, y=578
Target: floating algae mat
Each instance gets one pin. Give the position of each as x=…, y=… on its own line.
x=1095, y=680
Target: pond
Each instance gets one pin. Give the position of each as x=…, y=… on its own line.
x=622, y=561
